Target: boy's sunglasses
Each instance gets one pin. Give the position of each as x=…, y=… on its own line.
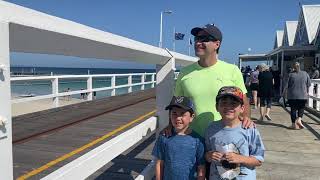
x=204, y=38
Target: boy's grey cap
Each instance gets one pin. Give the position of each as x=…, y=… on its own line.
x=181, y=102
x=211, y=29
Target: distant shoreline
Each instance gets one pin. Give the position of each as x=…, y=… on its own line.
x=15, y=66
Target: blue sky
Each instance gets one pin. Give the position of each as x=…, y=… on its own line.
x=244, y=24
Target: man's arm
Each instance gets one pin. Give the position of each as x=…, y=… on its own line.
x=159, y=169
x=246, y=115
x=247, y=109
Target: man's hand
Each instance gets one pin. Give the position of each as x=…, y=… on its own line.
x=234, y=158
x=167, y=131
x=247, y=123
x=213, y=156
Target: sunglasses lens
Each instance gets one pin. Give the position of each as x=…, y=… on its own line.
x=203, y=38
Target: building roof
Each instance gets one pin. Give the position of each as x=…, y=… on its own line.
x=252, y=57
x=308, y=24
x=278, y=40
x=289, y=33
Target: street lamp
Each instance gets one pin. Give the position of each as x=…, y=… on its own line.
x=162, y=12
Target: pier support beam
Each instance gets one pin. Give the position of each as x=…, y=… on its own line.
x=6, y=164
x=164, y=91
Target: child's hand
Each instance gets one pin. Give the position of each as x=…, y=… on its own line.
x=234, y=158
x=213, y=156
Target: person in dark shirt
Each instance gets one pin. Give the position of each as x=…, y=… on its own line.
x=265, y=91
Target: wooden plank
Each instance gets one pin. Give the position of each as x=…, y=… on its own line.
x=73, y=137
x=39, y=122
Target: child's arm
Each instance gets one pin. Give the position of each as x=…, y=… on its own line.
x=256, y=151
x=159, y=169
x=201, y=172
x=248, y=161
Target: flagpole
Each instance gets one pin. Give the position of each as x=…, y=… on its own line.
x=174, y=38
x=189, y=45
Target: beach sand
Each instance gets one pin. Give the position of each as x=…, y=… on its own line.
x=40, y=105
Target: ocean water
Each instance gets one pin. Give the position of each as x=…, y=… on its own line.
x=44, y=87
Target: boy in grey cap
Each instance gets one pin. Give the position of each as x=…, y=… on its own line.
x=180, y=156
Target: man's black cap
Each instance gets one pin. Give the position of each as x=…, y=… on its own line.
x=211, y=29
x=181, y=102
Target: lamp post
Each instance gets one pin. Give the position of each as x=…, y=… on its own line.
x=162, y=12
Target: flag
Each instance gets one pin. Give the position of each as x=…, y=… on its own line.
x=178, y=36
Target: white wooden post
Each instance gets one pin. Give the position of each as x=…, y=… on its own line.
x=113, y=85
x=164, y=91
x=282, y=71
x=89, y=88
x=318, y=96
x=311, y=88
x=240, y=63
x=130, y=83
x=55, y=91
x=143, y=77
x=6, y=164
x=152, y=80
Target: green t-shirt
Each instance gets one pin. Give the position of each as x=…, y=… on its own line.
x=202, y=86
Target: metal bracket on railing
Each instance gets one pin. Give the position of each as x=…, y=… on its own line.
x=3, y=121
x=3, y=68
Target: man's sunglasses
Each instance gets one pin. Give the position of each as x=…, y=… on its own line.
x=204, y=38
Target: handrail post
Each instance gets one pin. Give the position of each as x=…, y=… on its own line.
x=311, y=88
x=89, y=88
x=113, y=85
x=130, y=83
x=55, y=91
x=152, y=80
x=318, y=96
x=143, y=77
x=6, y=162
x=164, y=91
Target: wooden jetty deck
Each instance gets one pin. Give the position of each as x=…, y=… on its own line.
x=290, y=154
x=43, y=137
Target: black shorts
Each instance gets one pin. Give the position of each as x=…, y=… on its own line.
x=254, y=86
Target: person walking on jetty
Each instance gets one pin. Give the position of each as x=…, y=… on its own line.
x=265, y=91
x=296, y=89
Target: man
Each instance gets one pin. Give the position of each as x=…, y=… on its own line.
x=202, y=80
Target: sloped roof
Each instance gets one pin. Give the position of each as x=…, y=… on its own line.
x=317, y=37
x=279, y=38
x=289, y=33
x=312, y=18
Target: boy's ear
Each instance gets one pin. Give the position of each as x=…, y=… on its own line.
x=192, y=116
x=242, y=108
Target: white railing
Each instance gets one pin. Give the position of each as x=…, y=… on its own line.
x=314, y=94
x=89, y=90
